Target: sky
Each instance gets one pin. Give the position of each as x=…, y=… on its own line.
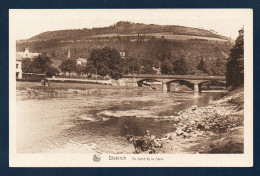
x=27, y=23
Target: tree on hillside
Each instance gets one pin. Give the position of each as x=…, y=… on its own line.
x=147, y=70
x=41, y=63
x=202, y=66
x=200, y=73
x=27, y=65
x=107, y=61
x=180, y=67
x=80, y=69
x=166, y=67
x=52, y=71
x=68, y=65
x=133, y=65
x=218, y=62
x=90, y=68
x=159, y=50
x=219, y=68
x=102, y=69
x=147, y=61
x=235, y=64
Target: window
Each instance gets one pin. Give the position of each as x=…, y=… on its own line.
x=17, y=65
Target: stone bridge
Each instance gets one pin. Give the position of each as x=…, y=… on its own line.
x=193, y=81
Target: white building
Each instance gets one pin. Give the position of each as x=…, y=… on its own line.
x=122, y=54
x=81, y=61
x=18, y=68
x=19, y=57
x=158, y=70
x=27, y=54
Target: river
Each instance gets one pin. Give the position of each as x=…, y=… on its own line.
x=97, y=123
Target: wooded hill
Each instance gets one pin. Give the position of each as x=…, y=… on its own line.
x=146, y=43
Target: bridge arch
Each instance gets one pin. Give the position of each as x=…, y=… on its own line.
x=181, y=82
x=141, y=81
x=210, y=82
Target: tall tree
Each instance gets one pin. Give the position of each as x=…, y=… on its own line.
x=52, y=71
x=166, y=67
x=219, y=68
x=202, y=66
x=90, y=69
x=180, y=67
x=107, y=61
x=26, y=65
x=68, y=65
x=235, y=64
x=132, y=64
x=80, y=69
x=41, y=64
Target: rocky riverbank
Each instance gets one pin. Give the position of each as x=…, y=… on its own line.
x=216, y=128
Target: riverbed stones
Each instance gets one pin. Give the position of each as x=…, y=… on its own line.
x=214, y=118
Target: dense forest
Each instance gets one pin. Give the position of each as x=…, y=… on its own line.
x=167, y=47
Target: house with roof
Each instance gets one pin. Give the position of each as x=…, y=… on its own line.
x=122, y=54
x=27, y=54
x=18, y=69
x=19, y=57
x=81, y=61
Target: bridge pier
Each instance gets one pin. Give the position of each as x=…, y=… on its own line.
x=166, y=87
x=196, y=88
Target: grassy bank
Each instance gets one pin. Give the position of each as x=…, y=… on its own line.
x=68, y=88
x=59, y=86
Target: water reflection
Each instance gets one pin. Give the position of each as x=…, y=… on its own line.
x=99, y=123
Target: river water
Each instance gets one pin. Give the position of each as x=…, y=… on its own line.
x=97, y=123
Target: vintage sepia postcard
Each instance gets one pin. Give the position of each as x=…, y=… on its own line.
x=131, y=87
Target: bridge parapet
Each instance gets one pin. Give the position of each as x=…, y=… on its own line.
x=166, y=80
x=190, y=77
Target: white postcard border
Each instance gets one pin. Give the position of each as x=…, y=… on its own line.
x=160, y=160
